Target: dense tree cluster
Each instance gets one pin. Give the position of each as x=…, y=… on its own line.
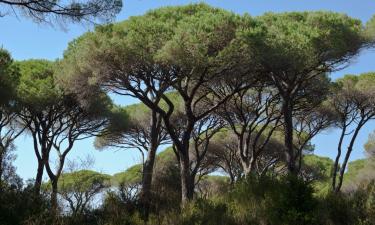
x=237, y=95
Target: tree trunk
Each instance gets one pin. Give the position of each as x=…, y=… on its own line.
x=242, y=149
x=187, y=185
x=182, y=148
x=337, y=160
x=347, y=156
x=54, y=203
x=252, y=164
x=288, y=136
x=148, y=167
x=232, y=178
x=246, y=169
x=39, y=177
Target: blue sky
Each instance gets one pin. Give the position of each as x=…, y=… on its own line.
x=25, y=40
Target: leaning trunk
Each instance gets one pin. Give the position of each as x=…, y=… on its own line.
x=347, y=156
x=39, y=177
x=337, y=160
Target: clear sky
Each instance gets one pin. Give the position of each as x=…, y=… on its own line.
x=25, y=40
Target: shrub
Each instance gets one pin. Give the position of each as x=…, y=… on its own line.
x=266, y=200
x=205, y=212
x=19, y=205
x=291, y=202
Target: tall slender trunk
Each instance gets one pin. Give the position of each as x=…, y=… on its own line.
x=39, y=177
x=347, y=156
x=41, y=161
x=148, y=167
x=288, y=136
x=337, y=160
x=54, y=179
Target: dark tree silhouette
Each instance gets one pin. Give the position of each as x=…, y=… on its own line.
x=62, y=11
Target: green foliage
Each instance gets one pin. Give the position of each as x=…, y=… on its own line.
x=364, y=200
x=360, y=174
x=132, y=175
x=363, y=82
x=9, y=77
x=204, y=212
x=354, y=169
x=211, y=186
x=294, y=40
x=293, y=203
x=177, y=44
x=119, y=123
x=318, y=170
x=337, y=209
x=283, y=201
x=19, y=205
x=370, y=145
x=166, y=187
x=323, y=165
x=370, y=29
x=166, y=155
x=82, y=181
x=131, y=120
x=37, y=87
x=186, y=37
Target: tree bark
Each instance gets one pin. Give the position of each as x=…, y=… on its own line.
x=288, y=136
x=187, y=185
x=246, y=169
x=337, y=160
x=148, y=167
x=54, y=197
x=39, y=177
